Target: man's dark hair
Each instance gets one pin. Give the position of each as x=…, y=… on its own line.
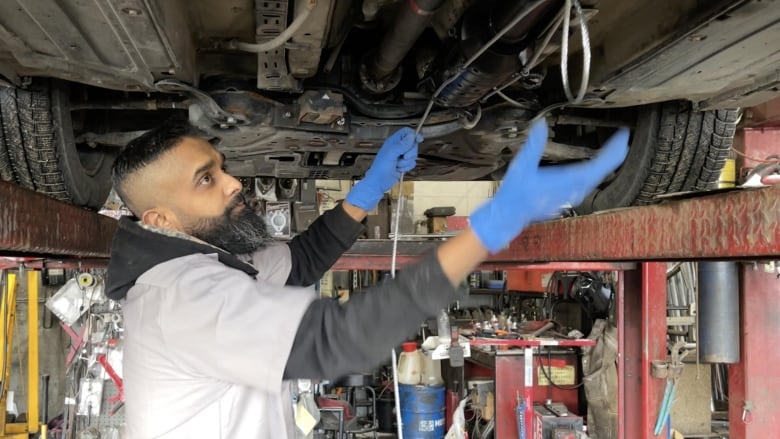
x=146, y=149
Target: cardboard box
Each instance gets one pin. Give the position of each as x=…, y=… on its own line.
x=304, y=215
x=408, y=190
x=437, y=224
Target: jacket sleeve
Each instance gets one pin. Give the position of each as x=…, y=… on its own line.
x=314, y=251
x=334, y=340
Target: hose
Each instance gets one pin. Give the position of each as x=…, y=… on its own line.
x=280, y=39
x=666, y=406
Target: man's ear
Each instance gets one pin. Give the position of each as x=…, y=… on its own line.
x=160, y=218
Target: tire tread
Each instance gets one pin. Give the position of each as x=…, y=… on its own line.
x=28, y=152
x=692, y=147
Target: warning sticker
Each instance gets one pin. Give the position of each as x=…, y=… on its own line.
x=561, y=376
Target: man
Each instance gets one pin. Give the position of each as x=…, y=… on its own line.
x=215, y=316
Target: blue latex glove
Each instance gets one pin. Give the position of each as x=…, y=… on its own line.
x=397, y=155
x=531, y=193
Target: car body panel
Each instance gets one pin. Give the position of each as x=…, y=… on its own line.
x=125, y=45
x=719, y=53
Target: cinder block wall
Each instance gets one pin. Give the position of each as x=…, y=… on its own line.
x=464, y=196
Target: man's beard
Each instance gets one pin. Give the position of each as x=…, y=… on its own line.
x=243, y=233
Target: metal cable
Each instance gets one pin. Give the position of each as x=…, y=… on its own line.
x=417, y=131
x=565, y=53
x=538, y=52
x=564, y=17
x=473, y=58
x=399, y=422
x=534, y=60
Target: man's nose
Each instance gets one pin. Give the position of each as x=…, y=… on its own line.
x=232, y=185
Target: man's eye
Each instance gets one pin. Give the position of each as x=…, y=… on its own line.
x=206, y=179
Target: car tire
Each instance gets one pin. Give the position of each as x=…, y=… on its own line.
x=38, y=151
x=673, y=148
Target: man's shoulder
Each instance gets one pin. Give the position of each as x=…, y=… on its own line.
x=187, y=269
x=273, y=261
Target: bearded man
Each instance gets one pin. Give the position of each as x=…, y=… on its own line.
x=217, y=319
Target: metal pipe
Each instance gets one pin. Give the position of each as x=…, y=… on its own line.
x=409, y=24
x=501, y=15
x=718, y=312
x=148, y=105
x=543, y=329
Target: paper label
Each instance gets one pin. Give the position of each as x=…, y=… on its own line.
x=561, y=376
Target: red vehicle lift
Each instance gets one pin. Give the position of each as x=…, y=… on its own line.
x=737, y=225
x=734, y=225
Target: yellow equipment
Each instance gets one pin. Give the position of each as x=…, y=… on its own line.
x=18, y=430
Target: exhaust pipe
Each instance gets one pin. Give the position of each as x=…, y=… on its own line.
x=412, y=19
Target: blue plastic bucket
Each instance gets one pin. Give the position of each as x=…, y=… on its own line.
x=422, y=411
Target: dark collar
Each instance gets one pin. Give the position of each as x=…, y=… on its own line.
x=135, y=249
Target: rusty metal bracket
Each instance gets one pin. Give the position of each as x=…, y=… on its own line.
x=206, y=103
x=673, y=368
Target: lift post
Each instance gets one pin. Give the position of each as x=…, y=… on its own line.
x=641, y=340
x=754, y=383
x=741, y=225
x=20, y=430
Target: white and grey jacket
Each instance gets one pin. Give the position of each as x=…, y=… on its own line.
x=209, y=338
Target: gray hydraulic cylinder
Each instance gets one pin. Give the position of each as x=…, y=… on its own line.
x=718, y=305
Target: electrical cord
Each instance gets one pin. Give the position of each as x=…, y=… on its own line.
x=769, y=159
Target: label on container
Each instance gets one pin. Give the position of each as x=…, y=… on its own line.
x=560, y=375
x=431, y=425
